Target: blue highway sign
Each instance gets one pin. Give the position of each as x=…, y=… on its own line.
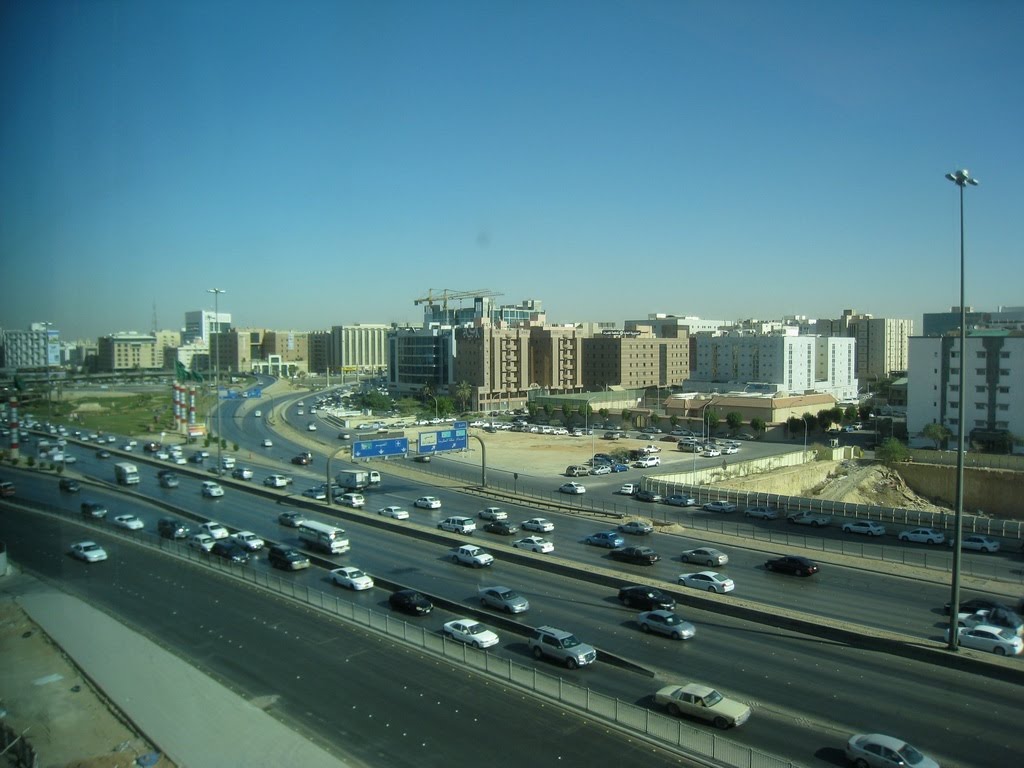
x=454, y=439
x=372, y=449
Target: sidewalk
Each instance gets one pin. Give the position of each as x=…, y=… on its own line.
x=190, y=717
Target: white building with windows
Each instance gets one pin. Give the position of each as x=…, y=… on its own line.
x=202, y=322
x=993, y=403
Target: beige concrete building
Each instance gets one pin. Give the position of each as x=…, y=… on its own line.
x=634, y=362
x=359, y=347
x=772, y=409
x=495, y=362
x=556, y=358
x=883, y=343
x=128, y=351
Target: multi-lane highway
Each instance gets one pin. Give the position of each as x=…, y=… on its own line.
x=808, y=693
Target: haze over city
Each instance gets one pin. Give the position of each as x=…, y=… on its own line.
x=327, y=163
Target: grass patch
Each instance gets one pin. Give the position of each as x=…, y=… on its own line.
x=130, y=414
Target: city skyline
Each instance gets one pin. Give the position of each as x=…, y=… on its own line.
x=327, y=164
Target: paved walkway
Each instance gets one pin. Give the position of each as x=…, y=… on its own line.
x=190, y=717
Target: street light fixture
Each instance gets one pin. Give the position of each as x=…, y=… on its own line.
x=216, y=372
x=961, y=178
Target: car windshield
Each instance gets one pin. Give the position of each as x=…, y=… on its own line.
x=672, y=619
x=570, y=642
x=356, y=574
x=910, y=755
x=475, y=629
x=712, y=698
x=509, y=595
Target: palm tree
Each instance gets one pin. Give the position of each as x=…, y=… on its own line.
x=463, y=393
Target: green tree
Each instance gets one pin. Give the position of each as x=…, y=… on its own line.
x=567, y=413
x=850, y=414
x=531, y=408
x=445, y=406
x=604, y=413
x=937, y=433
x=713, y=420
x=757, y=424
x=735, y=420
x=864, y=411
x=549, y=411
x=463, y=394
x=625, y=416
x=674, y=421
x=891, y=451
x=234, y=447
x=812, y=422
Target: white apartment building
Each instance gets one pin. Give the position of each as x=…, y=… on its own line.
x=993, y=402
x=202, y=322
x=882, y=345
x=38, y=347
x=361, y=346
x=791, y=363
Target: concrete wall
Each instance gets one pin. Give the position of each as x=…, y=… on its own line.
x=997, y=492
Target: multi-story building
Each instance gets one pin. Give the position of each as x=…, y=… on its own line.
x=495, y=362
x=359, y=347
x=556, y=358
x=992, y=405
x=788, y=363
x=672, y=327
x=200, y=323
x=634, y=362
x=1004, y=318
x=128, y=351
x=290, y=346
x=421, y=359
x=319, y=351
x=882, y=342
x=38, y=348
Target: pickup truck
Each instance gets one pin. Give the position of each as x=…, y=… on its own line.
x=809, y=518
x=470, y=554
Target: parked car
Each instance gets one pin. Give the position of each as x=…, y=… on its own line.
x=706, y=555
x=538, y=524
x=635, y=555
x=708, y=580
x=809, y=518
x=978, y=543
x=646, y=598
x=636, y=528
x=865, y=527
x=427, y=502
x=610, y=539
x=572, y=488
x=875, y=750
x=761, y=513
x=89, y=551
x=719, y=506
x=410, y=601
x=504, y=599
x=649, y=496
x=666, y=623
x=923, y=536
x=794, y=564
x=470, y=632
x=703, y=703
x=601, y=469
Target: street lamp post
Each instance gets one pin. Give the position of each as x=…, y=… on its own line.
x=961, y=178
x=804, y=420
x=46, y=358
x=216, y=372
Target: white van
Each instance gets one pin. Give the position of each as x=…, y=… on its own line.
x=353, y=500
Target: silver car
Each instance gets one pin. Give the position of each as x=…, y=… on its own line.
x=706, y=555
x=869, y=750
x=666, y=623
x=504, y=599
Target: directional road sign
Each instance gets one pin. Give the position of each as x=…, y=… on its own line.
x=454, y=439
x=373, y=449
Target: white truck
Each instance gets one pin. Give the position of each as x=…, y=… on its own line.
x=809, y=518
x=357, y=479
x=126, y=473
x=470, y=554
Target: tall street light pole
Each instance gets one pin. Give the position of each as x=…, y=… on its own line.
x=961, y=178
x=216, y=372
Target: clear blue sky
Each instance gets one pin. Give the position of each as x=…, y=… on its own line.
x=328, y=162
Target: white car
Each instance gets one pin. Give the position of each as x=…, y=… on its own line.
x=201, y=541
x=470, y=632
x=866, y=527
x=730, y=450
x=276, y=481
x=978, y=543
x=162, y=455
x=428, y=502
x=89, y=551
x=131, y=522
x=212, y=489
x=534, y=544
x=214, y=530
x=719, y=506
x=709, y=581
x=572, y=488
x=492, y=513
x=311, y=427
x=764, y=513
x=986, y=637
x=710, y=453
x=351, y=577
x=268, y=443
x=876, y=750
x=538, y=524
x=923, y=536
x=396, y=513
x=249, y=540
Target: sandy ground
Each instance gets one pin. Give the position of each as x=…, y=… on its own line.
x=47, y=699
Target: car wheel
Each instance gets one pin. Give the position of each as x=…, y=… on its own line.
x=933, y=541
x=537, y=652
x=673, y=710
x=627, y=602
x=571, y=663
x=799, y=571
x=860, y=762
x=644, y=628
x=815, y=524
x=455, y=559
x=721, y=722
x=685, y=558
x=769, y=567
x=906, y=538
x=999, y=651
x=711, y=589
x=710, y=563
x=676, y=636
x=508, y=609
x=476, y=644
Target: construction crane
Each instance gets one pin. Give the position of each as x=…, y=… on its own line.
x=443, y=294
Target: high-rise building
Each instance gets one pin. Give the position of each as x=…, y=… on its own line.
x=421, y=359
x=203, y=322
x=1004, y=318
x=634, y=362
x=359, y=347
x=883, y=345
x=37, y=348
x=993, y=403
x=128, y=351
